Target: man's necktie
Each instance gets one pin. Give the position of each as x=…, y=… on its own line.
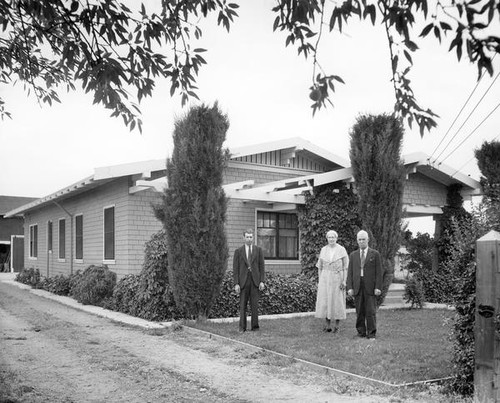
x=362, y=258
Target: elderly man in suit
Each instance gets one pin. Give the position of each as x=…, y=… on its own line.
x=364, y=283
x=248, y=276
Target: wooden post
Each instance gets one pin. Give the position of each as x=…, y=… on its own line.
x=487, y=345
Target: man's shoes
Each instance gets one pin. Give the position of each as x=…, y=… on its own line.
x=371, y=338
x=361, y=335
x=242, y=330
x=256, y=328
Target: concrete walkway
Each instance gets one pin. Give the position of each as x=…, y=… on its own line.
x=132, y=320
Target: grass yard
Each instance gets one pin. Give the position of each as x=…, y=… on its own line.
x=411, y=345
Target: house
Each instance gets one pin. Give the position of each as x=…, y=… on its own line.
x=12, y=234
x=107, y=217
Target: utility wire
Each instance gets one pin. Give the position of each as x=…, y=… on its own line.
x=466, y=119
x=459, y=169
x=460, y=112
x=456, y=117
x=471, y=133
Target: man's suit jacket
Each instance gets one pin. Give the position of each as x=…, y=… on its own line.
x=241, y=265
x=372, y=272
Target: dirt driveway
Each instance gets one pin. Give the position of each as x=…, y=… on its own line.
x=51, y=352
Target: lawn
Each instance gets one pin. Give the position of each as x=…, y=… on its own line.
x=411, y=345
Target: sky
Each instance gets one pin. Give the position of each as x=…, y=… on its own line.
x=263, y=87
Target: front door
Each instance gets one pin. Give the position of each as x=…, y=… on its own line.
x=17, y=253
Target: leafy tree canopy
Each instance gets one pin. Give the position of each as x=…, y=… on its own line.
x=113, y=50
x=109, y=48
x=467, y=21
x=488, y=160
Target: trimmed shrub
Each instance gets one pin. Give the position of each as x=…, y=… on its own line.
x=283, y=294
x=29, y=276
x=414, y=293
x=60, y=285
x=94, y=285
x=288, y=294
x=125, y=295
x=148, y=295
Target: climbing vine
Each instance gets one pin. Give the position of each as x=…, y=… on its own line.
x=332, y=207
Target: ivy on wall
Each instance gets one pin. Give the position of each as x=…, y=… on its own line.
x=332, y=207
x=453, y=210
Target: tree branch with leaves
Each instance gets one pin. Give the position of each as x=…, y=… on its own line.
x=118, y=54
x=114, y=52
x=469, y=21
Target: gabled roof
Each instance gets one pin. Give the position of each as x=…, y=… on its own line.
x=101, y=176
x=294, y=146
x=442, y=173
x=143, y=170
x=8, y=203
x=290, y=190
x=285, y=191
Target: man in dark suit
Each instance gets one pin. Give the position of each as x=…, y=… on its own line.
x=364, y=283
x=248, y=276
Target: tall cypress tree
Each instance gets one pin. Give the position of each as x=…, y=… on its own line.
x=488, y=160
x=379, y=174
x=194, y=210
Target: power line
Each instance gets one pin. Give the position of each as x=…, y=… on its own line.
x=467, y=118
x=459, y=113
x=459, y=169
x=471, y=133
x=456, y=117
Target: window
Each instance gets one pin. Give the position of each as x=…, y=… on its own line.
x=49, y=236
x=79, y=237
x=278, y=235
x=109, y=233
x=62, y=238
x=33, y=241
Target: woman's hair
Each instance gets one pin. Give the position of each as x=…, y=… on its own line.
x=332, y=232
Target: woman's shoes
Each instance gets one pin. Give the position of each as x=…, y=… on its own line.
x=335, y=329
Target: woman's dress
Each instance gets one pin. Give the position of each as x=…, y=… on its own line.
x=330, y=299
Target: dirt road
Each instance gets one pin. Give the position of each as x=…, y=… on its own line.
x=53, y=353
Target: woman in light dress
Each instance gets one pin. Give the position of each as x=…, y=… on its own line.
x=332, y=274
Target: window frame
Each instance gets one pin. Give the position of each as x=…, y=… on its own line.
x=50, y=236
x=61, y=240
x=277, y=237
x=105, y=258
x=78, y=239
x=33, y=241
